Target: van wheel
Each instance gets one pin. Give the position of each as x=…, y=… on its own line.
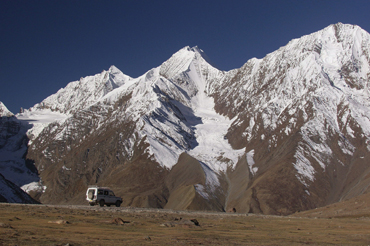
x=118, y=203
x=101, y=203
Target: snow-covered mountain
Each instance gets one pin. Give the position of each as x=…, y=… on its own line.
x=284, y=133
x=76, y=96
x=4, y=111
x=304, y=111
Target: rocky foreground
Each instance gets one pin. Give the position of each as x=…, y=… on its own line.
x=82, y=225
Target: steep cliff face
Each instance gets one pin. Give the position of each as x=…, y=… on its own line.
x=284, y=133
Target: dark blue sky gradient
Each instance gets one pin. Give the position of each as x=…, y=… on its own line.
x=44, y=45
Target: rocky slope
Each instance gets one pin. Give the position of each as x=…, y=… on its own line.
x=11, y=193
x=284, y=133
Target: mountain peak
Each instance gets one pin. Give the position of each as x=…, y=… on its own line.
x=4, y=111
x=181, y=60
x=195, y=49
x=341, y=25
x=199, y=51
x=113, y=69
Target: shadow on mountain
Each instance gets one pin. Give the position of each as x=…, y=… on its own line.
x=15, y=170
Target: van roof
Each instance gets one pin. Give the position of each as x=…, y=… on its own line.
x=98, y=187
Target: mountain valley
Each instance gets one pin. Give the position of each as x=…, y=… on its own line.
x=286, y=133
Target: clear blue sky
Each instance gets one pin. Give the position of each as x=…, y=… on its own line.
x=44, y=45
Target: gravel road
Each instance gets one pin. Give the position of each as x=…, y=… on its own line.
x=139, y=210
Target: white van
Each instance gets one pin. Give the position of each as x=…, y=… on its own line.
x=102, y=195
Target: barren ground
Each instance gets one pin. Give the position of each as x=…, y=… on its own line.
x=83, y=225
